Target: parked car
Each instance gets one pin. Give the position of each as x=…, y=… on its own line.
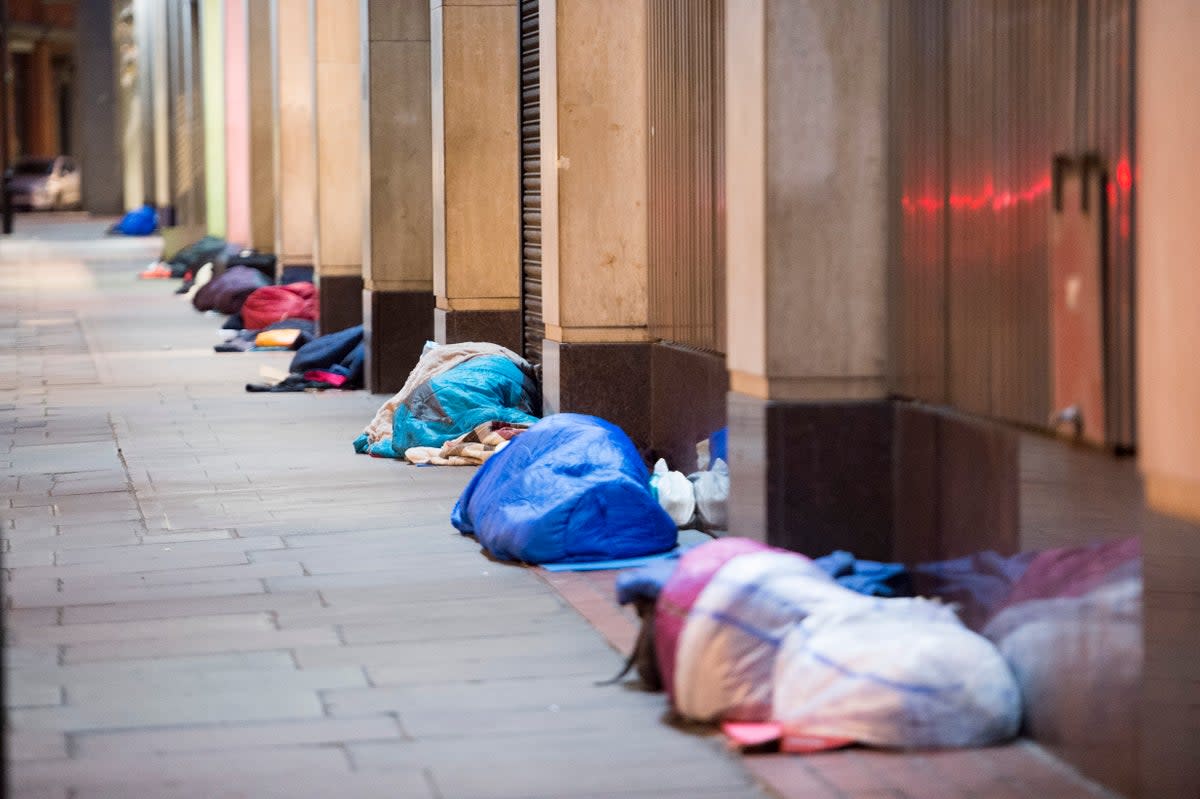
x=43, y=184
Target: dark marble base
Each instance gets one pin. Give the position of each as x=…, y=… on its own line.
x=884, y=480
x=498, y=327
x=1170, y=735
x=341, y=302
x=956, y=484
x=687, y=401
x=812, y=477
x=611, y=381
x=396, y=325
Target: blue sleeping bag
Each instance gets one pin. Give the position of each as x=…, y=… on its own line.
x=570, y=489
x=328, y=351
x=138, y=222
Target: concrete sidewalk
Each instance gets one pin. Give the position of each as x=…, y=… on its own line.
x=210, y=595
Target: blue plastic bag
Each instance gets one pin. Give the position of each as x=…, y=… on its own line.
x=139, y=222
x=570, y=489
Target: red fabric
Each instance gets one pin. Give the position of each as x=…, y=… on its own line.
x=321, y=376
x=696, y=567
x=271, y=304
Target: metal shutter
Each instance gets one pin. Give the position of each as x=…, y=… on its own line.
x=534, y=328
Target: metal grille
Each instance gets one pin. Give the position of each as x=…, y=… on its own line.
x=984, y=94
x=686, y=97
x=531, y=184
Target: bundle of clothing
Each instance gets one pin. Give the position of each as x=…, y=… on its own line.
x=187, y=262
x=452, y=391
x=286, y=334
x=333, y=361
x=470, y=449
x=227, y=292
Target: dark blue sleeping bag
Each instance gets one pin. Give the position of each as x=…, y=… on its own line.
x=570, y=489
x=328, y=350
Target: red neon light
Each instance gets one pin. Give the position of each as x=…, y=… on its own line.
x=985, y=199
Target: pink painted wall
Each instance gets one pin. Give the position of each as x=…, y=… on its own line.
x=237, y=122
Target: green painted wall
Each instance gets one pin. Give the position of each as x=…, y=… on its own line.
x=212, y=31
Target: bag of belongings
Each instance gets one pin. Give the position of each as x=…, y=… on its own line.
x=335, y=360
x=227, y=292
x=727, y=648
x=674, y=493
x=262, y=261
x=893, y=673
x=570, y=489
x=138, y=222
x=745, y=633
x=696, y=567
x=453, y=389
x=1072, y=632
x=711, y=489
x=293, y=335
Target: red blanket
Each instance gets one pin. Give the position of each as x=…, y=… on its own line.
x=271, y=304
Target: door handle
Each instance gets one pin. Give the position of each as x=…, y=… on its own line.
x=1088, y=163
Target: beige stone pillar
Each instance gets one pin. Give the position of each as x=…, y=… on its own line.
x=397, y=183
x=806, y=90
x=43, y=104
x=1168, y=325
x=261, y=71
x=340, y=206
x=1168, y=388
x=238, y=182
x=476, y=192
x=295, y=133
x=594, y=224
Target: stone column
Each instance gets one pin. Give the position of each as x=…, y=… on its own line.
x=476, y=183
x=596, y=354
x=212, y=37
x=1168, y=388
x=261, y=124
x=1168, y=327
x=396, y=181
x=810, y=429
x=97, y=109
x=295, y=134
x=43, y=104
x=237, y=122
x=339, y=164
x=150, y=110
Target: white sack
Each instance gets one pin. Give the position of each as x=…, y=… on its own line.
x=727, y=649
x=899, y=673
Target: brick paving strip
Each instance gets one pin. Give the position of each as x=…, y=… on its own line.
x=208, y=594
